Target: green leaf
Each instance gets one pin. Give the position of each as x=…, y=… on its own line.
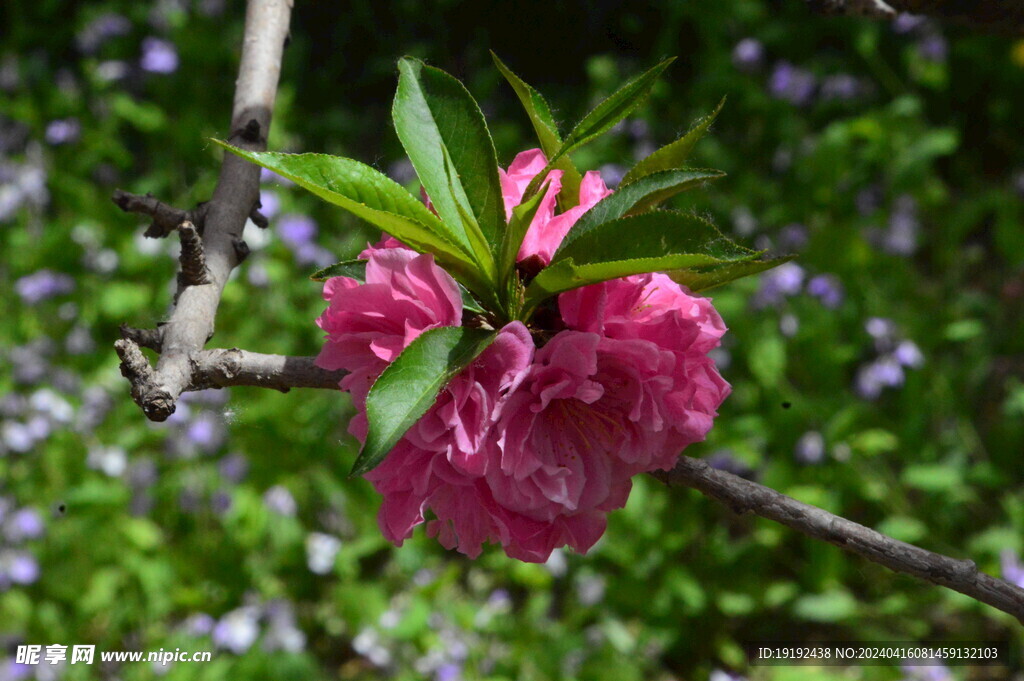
x=446, y=138
x=409, y=386
x=469, y=303
x=675, y=154
x=356, y=269
x=603, y=117
x=612, y=110
x=636, y=198
x=653, y=235
x=702, y=278
x=651, y=242
x=544, y=125
x=374, y=197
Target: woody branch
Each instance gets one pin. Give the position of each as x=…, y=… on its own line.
x=998, y=16
x=211, y=234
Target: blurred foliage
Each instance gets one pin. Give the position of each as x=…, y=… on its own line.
x=880, y=377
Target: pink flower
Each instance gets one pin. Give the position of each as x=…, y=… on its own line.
x=647, y=306
x=654, y=309
x=441, y=461
x=369, y=324
x=547, y=229
x=528, y=448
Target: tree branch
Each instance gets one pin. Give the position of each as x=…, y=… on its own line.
x=234, y=367
x=1000, y=16
x=744, y=496
x=192, y=322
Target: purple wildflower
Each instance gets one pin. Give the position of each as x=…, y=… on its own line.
x=449, y=671
x=612, y=174
x=269, y=203
x=100, y=30
x=908, y=354
x=63, y=131
x=206, y=432
x=793, y=237
x=792, y=84
x=16, y=437
x=158, y=56
x=777, y=284
x=269, y=176
x=748, y=55
x=810, y=448
x=933, y=47
x=282, y=632
x=873, y=377
x=14, y=671
x=237, y=630
x=220, y=502
x=312, y=254
x=43, y=285
x=296, y=230
x=933, y=671
x=199, y=624
x=723, y=460
x=907, y=23
x=112, y=461
x=321, y=550
x=880, y=328
x=21, y=567
x=24, y=524
x=279, y=500
x=1013, y=570
x=828, y=289
x=234, y=467
x=901, y=236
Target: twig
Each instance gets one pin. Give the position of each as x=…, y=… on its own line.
x=192, y=322
x=999, y=16
x=867, y=8
x=744, y=496
x=147, y=338
x=165, y=218
x=192, y=258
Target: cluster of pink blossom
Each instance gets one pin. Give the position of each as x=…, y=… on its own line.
x=528, y=447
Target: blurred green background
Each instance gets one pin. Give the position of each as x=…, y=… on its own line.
x=880, y=376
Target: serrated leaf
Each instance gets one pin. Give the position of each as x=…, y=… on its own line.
x=636, y=198
x=445, y=135
x=409, y=386
x=604, y=116
x=652, y=235
x=354, y=269
x=469, y=303
x=539, y=113
x=651, y=242
x=703, y=278
x=374, y=197
x=673, y=155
